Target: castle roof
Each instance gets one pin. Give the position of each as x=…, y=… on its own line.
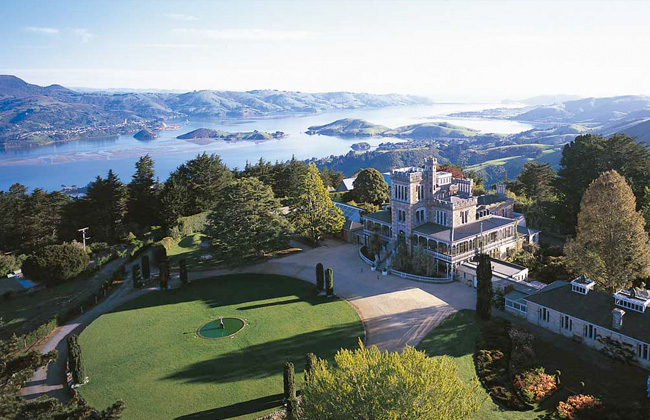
x=444, y=233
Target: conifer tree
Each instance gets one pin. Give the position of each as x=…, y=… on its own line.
x=484, y=290
x=370, y=187
x=611, y=244
x=146, y=267
x=329, y=281
x=182, y=266
x=289, y=381
x=75, y=361
x=247, y=222
x=309, y=366
x=313, y=213
x=142, y=204
x=136, y=275
x=320, y=281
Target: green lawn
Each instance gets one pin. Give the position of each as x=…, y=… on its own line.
x=456, y=337
x=147, y=351
x=189, y=247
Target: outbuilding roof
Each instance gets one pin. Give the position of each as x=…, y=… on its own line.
x=595, y=307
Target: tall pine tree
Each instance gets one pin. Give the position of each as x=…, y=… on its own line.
x=312, y=211
x=142, y=204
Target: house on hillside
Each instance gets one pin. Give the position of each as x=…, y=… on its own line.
x=438, y=212
x=615, y=323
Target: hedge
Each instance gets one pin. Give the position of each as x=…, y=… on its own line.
x=189, y=225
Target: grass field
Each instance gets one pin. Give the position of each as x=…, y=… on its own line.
x=189, y=247
x=147, y=351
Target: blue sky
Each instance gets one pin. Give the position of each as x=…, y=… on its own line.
x=447, y=49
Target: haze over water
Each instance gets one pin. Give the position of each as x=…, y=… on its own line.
x=79, y=162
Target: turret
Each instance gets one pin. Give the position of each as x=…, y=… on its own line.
x=430, y=167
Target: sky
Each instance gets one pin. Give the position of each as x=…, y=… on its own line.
x=449, y=50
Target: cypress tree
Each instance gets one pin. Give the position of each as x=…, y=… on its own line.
x=484, y=287
x=136, y=276
x=289, y=381
x=164, y=274
x=182, y=265
x=320, y=284
x=329, y=281
x=309, y=366
x=75, y=362
x=146, y=268
x=292, y=409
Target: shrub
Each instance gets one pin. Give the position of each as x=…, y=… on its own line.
x=329, y=281
x=289, y=381
x=146, y=268
x=534, y=385
x=55, y=264
x=136, y=276
x=580, y=407
x=75, y=362
x=182, y=265
x=309, y=366
x=292, y=409
x=522, y=356
x=319, y=277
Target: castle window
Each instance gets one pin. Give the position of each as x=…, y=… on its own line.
x=544, y=315
x=642, y=351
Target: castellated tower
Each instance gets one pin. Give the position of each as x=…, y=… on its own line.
x=409, y=192
x=430, y=168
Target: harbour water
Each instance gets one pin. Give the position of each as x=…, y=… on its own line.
x=79, y=162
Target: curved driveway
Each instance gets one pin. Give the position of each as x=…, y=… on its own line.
x=395, y=311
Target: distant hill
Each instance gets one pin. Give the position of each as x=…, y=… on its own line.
x=349, y=127
x=641, y=131
x=145, y=135
x=31, y=114
x=207, y=133
x=594, y=111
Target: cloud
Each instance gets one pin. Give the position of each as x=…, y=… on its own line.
x=180, y=16
x=243, y=34
x=83, y=35
x=162, y=45
x=43, y=31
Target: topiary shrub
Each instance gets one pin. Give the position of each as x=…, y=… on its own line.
x=292, y=409
x=75, y=362
x=56, y=264
x=146, y=268
x=320, y=280
x=289, y=381
x=309, y=366
x=182, y=266
x=329, y=281
x=136, y=276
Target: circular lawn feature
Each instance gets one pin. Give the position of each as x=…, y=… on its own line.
x=147, y=351
x=213, y=328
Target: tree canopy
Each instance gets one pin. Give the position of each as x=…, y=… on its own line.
x=312, y=211
x=142, y=203
x=370, y=384
x=585, y=158
x=247, y=220
x=611, y=244
x=537, y=180
x=370, y=187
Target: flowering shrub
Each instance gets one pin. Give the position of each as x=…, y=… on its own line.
x=581, y=407
x=534, y=385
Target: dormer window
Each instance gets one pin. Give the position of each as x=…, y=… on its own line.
x=582, y=285
x=634, y=299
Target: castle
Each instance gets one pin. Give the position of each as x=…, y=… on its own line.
x=432, y=209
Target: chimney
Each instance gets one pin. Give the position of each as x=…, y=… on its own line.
x=617, y=318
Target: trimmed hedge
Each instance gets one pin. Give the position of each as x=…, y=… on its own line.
x=56, y=264
x=329, y=281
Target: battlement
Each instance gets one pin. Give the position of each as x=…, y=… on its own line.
x=410, y=174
